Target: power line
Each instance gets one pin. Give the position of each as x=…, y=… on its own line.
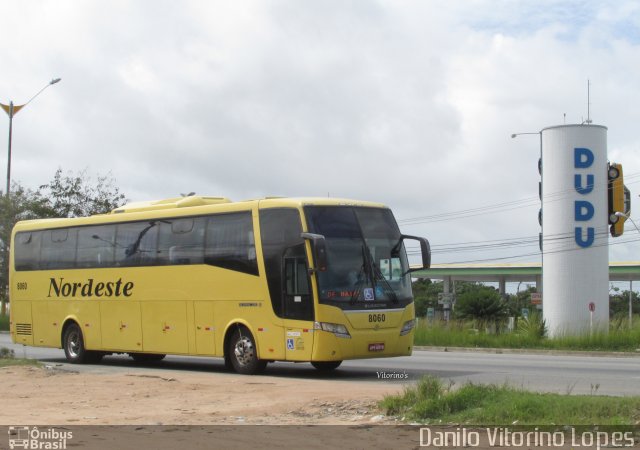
x=540, y=254
x=500, y=207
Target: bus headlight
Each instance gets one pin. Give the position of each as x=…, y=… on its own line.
x=335, y=328
x=407, y=327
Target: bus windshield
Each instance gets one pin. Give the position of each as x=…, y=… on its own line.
x=367, y=262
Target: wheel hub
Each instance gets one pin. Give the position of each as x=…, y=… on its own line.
x=244, y=351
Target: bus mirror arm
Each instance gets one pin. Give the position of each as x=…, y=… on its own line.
x=425, y=250
x=319, y=247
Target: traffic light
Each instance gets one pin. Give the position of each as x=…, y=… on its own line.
x=619, y=199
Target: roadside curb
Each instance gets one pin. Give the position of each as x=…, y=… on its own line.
x=4, y=332
x=525, y=351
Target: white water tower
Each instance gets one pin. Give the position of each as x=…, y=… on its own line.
x=575, y=263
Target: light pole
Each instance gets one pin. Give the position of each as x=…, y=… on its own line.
x=620, y=214
x=11, y=111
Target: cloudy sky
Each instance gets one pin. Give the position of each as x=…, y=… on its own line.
x=411, y=103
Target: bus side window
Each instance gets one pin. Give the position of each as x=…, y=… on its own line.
x=27, y=250
x=181, y=241
x=59, y=248
x=230, y=243
x=136, y=244
x=96, y=246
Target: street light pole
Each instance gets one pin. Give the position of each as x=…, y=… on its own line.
x=11, y=111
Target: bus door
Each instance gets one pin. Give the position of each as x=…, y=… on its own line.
x=298, y=304
x=288, y=280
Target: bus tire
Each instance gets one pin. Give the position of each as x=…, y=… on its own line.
x=243, y=353
x=326, y=366
x=74, y=350
x=147, y=357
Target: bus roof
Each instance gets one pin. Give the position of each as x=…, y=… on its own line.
x=188, y=206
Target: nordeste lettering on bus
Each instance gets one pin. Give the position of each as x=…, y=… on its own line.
x=60, y=288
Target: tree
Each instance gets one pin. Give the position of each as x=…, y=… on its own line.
x=482, y=304
x=425, y=295
x=619, y=304
x=71, y=195
x=75, y=195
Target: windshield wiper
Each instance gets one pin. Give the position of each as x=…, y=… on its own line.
x=363, y=276
x=373, y=274
x=387, y=289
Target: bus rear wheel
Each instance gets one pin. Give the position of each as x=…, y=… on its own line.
x=242, y=353
x=74, y=350
x=326, y=366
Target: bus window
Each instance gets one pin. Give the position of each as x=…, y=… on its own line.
x=230, y=243
x=136, y=244
x=27, y=252
x=181, y=241
x=59, y=249
x=96, y=246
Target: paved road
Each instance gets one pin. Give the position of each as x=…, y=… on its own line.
x=606, y=375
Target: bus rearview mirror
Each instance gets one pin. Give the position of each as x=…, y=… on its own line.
x=319, y=247
x=425, y=249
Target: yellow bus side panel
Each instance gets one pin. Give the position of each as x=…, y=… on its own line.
x=164, y=329
x=121, y=325
x=205, y=343
x=44, y=325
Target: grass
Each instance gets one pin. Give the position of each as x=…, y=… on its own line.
x=460, y=334
x=4, y=323
x=431, y=402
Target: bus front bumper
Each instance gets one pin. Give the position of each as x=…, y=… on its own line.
x=362, y=344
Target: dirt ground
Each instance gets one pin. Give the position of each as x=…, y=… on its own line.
x=49, y=395
x=63, y=400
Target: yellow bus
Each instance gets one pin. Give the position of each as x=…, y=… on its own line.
x=276, y=279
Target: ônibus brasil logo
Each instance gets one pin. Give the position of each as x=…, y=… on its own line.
x=33, y=438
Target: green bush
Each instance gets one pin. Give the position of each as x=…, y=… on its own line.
x=6, y=353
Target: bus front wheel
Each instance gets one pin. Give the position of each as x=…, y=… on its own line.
x=74, y=350
x=242, y=353
x=326, y=366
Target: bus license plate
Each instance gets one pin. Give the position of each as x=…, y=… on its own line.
x=377, y=347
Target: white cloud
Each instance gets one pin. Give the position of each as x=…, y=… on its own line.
x=412, y=103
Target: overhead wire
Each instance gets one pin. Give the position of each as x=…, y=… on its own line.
x=509, y=243
x=499, y=207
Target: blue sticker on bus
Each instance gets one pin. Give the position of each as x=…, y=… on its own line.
x=290, y=345
x=368, y=294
